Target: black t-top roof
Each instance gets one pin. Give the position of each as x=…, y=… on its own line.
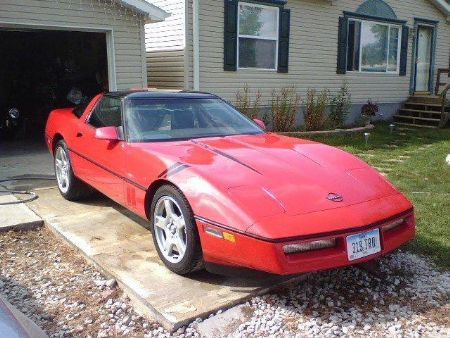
x=154, y=94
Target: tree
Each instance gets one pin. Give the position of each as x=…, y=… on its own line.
x=375, y=52
x=249, y=24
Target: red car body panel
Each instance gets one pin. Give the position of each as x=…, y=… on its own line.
x=267, y=190
x=260, y=254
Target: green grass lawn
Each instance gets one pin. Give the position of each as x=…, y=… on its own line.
x=414, y=160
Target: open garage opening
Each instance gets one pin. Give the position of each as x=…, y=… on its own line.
x=38, y=69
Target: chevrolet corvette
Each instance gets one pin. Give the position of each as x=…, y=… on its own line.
x=219, y=191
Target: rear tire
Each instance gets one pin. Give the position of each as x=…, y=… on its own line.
x=175, y=232
x=70, y=187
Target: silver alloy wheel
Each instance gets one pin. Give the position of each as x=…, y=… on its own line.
x=62, y=167
x=170, y=229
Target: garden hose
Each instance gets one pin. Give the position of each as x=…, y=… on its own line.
x=32, y=195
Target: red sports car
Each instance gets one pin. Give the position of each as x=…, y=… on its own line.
x=219, y=191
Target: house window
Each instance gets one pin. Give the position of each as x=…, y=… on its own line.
x=373, y=47
x=257, y=36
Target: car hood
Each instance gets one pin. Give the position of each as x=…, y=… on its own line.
x=286, y=175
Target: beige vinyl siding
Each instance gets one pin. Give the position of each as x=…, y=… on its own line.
x=165, y=43
x=165, y=69
x=167, y=34
x=126, y=27
x=313, y=52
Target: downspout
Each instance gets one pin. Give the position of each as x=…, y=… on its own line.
x=196, y=44
x=186, y=56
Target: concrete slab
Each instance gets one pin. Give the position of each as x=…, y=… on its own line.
x=121, y=246
x=226, y=323
x=26, y=157
x=15, y=216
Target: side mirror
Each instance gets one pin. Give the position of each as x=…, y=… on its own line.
x=260, y=123
x=107, y=133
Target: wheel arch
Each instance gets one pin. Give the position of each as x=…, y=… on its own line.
x=149, y=195
x=58, y=137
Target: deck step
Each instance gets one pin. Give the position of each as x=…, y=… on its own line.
x=417, y=118
x=423, y=106
x=426, y=94
x=409, y=112
x=421, y=110
x=417, y=121
x=415, y=125
x=425, y=99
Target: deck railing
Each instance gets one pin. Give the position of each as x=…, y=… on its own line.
x=440, y=80
x=445, y=106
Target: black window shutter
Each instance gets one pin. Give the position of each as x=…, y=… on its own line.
x=230, y=35
x=283, y=41
x=404, y=50
x=342, y=46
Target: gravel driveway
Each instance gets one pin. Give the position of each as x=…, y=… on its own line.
x=67, y=297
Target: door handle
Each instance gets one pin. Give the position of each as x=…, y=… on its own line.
x=79, y=134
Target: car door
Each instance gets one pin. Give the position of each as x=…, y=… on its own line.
x=103, y=160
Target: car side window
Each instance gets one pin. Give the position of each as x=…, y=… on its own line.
x=107, y=113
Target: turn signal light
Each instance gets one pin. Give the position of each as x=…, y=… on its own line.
x=220, y=234
x=393, y=225
x=229, y=237
x=309, y=246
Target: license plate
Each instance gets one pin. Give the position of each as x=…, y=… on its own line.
x=363, y=244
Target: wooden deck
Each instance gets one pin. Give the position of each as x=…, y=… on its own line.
x=427, y=110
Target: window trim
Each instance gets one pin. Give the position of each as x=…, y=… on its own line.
x=88, y=117
x=429, y=23
x=352, y=15
x=277, y=36
x=399, y=44
x=97, y=105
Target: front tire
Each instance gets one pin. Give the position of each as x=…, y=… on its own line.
x=70, y=187
x=174, y=231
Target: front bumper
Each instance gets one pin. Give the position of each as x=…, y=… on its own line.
x=268, y=256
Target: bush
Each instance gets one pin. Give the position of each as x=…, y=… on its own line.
x=246, y=105
x=369, y=110
x=340, y=107
x=315, y=109
x=285, y=104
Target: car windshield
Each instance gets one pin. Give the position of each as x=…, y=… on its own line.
x=175, y=119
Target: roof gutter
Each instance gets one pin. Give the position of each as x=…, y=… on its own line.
x=443, y=6
x=150, y=11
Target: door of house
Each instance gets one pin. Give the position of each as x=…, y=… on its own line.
x=424, y=48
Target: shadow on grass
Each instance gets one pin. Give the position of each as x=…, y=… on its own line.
x=438, y=251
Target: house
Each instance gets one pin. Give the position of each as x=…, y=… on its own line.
x=49, y=46
x=165, y=44
x=120, y=22
x=385, y=50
